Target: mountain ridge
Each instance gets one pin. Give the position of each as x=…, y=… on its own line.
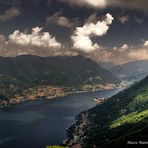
x=132, y=71
x=33, y=74
x=120, y=119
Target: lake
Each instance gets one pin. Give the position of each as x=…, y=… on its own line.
x=35, y=124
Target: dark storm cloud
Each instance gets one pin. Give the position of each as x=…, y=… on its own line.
x=131, y=4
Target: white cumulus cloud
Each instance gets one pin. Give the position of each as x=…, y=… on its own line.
x=82, y=35
x=10, y=13
x=121, y=55
x=124, y=47
x=123, y=19
x=146, y=43
x=60, y=20
x=36, y=38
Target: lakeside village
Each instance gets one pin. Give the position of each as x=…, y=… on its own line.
x=50, y=92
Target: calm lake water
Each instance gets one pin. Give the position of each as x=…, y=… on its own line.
x=35, y=124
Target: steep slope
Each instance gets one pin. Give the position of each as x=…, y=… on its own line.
x=131, y=71
x=72, y=69
x=27, y=71
x=120, y=119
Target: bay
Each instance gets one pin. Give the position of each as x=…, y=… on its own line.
x=36, y=124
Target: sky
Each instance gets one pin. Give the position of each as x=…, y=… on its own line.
x=114, y=31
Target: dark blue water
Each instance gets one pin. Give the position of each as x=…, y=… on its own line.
x=35, y=124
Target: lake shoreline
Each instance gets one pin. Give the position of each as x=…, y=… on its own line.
x=51, y=92
x=45, y=117
x=8, y=104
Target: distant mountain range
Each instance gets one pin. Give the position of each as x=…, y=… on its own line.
x=119, y=121
x=27, y=71
x=132, y=71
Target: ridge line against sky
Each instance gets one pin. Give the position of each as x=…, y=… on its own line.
x=107, y=30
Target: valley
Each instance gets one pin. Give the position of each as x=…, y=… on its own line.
x=31, y=77
x=73, y=73
x=34, y=79
x=120, y=119
x=44, y=121
x=131, y=71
